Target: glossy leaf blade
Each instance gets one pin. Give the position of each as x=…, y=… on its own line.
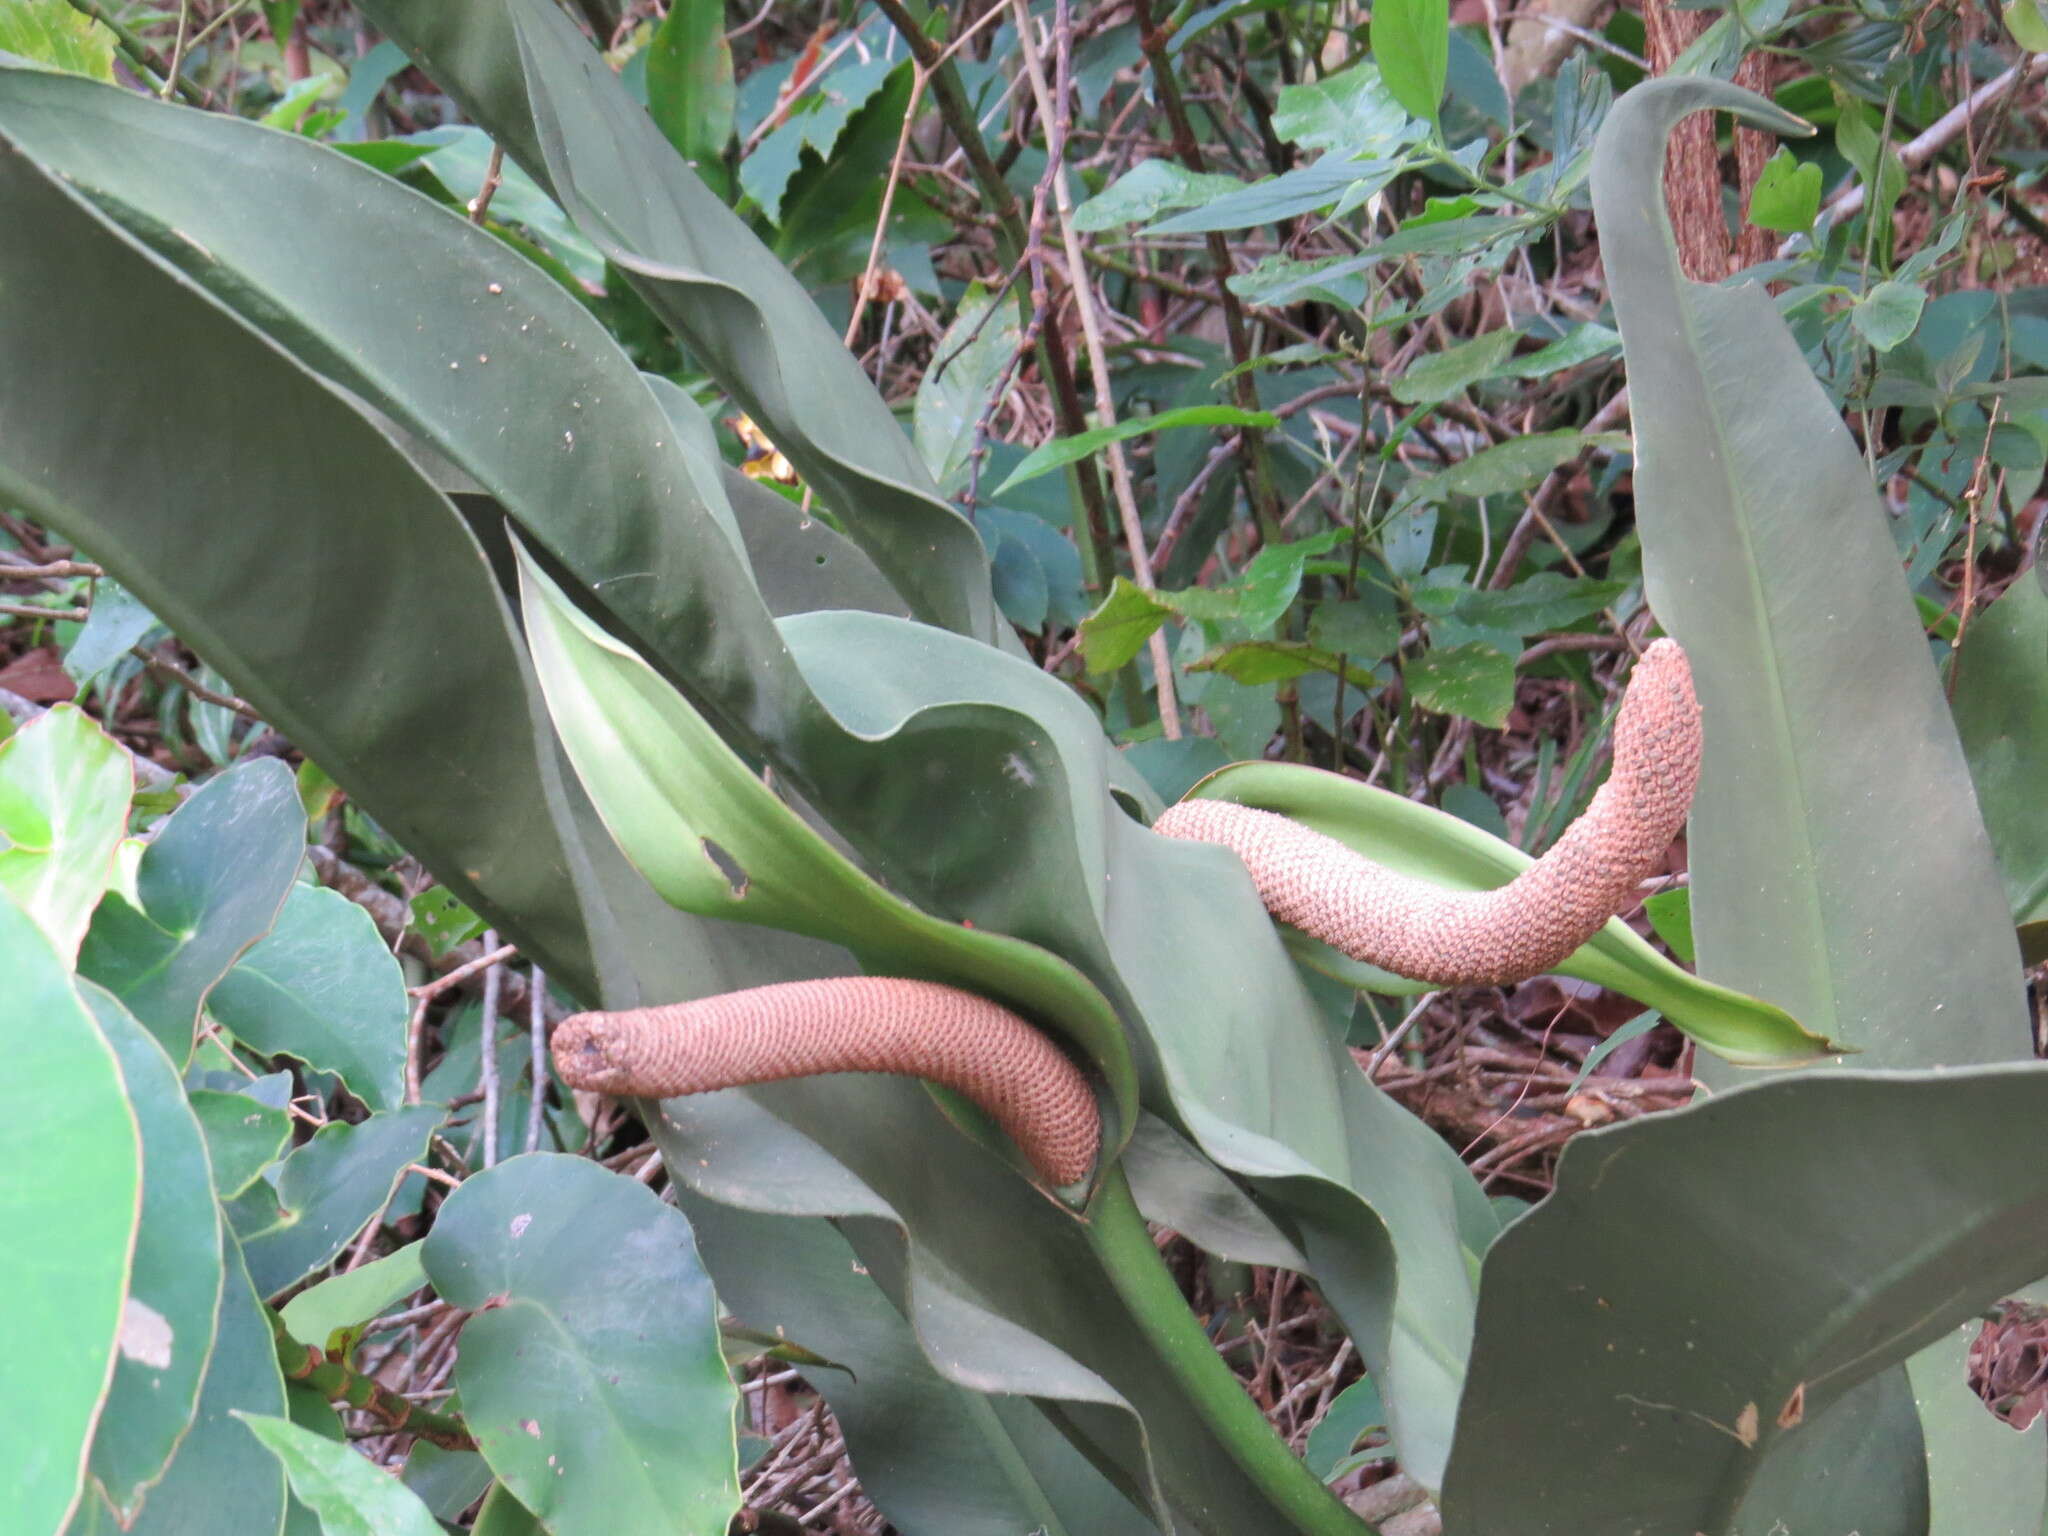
x=334, y=508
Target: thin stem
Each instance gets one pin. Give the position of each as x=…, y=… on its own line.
x=537, y=1035
x=488, y=1055
x=1053, y=113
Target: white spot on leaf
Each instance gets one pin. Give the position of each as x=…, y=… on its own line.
x=146, y=1335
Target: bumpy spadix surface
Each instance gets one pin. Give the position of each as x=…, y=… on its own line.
x=1522, y=929
x=847, y=1024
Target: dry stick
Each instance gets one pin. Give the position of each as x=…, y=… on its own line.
x=537, y=1035
x=488, y=1056
x=1152, y=41
x=1078, y=283
x=493, y=174
x=1015, y=243
x=920, y=75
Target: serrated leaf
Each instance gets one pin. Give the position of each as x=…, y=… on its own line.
x=1514, y=465
x=631, y=1425
x=1275, y=661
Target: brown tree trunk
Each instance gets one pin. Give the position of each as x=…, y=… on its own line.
x=1692, y=161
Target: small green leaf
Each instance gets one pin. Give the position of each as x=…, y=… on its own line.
x=1787, y=194
x=1472, y=680
x=1269, y=584
x=1411, y=40
x=1355, y=1413
x=1146, y=190
x=1547, y=600
x=1356, y=626
x=1352, y=113
x=64, y=791
x=1670, y=913
x=2027, y=23
x=212, y=882
x=57, y=36
x=1511, y=466
x=243, y=1137
x=351, y=1494
x=976, y=352
x=1118, y=630
x=1641, y=1024
x=1888, y=314
x=630, y=1427
x=322, y=987
x=1581, y=345
x=443, y=919
x=690, y=86
x=1065, y=450
x=328, y=1189
x=1275, y=661
x=1439, y=376
x=354, y=1296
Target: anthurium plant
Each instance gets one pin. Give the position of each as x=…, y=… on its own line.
x=681, y=740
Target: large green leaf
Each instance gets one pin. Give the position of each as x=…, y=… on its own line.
x=219, y=1467
x=211, y=884
x=326, y=1191
x=64, y=791
x=174, y=1291
x=526, y=74
x=322, y=987
x=1428, y=844
x=1839, y=867
x=2001, y=707
x=423, y=713
x=71, y=1202
x=1705, y=1287
x=596, y=1391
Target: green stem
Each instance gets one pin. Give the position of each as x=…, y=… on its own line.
x=333, y=1380
x=140, y=56
x=1117, y=1233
